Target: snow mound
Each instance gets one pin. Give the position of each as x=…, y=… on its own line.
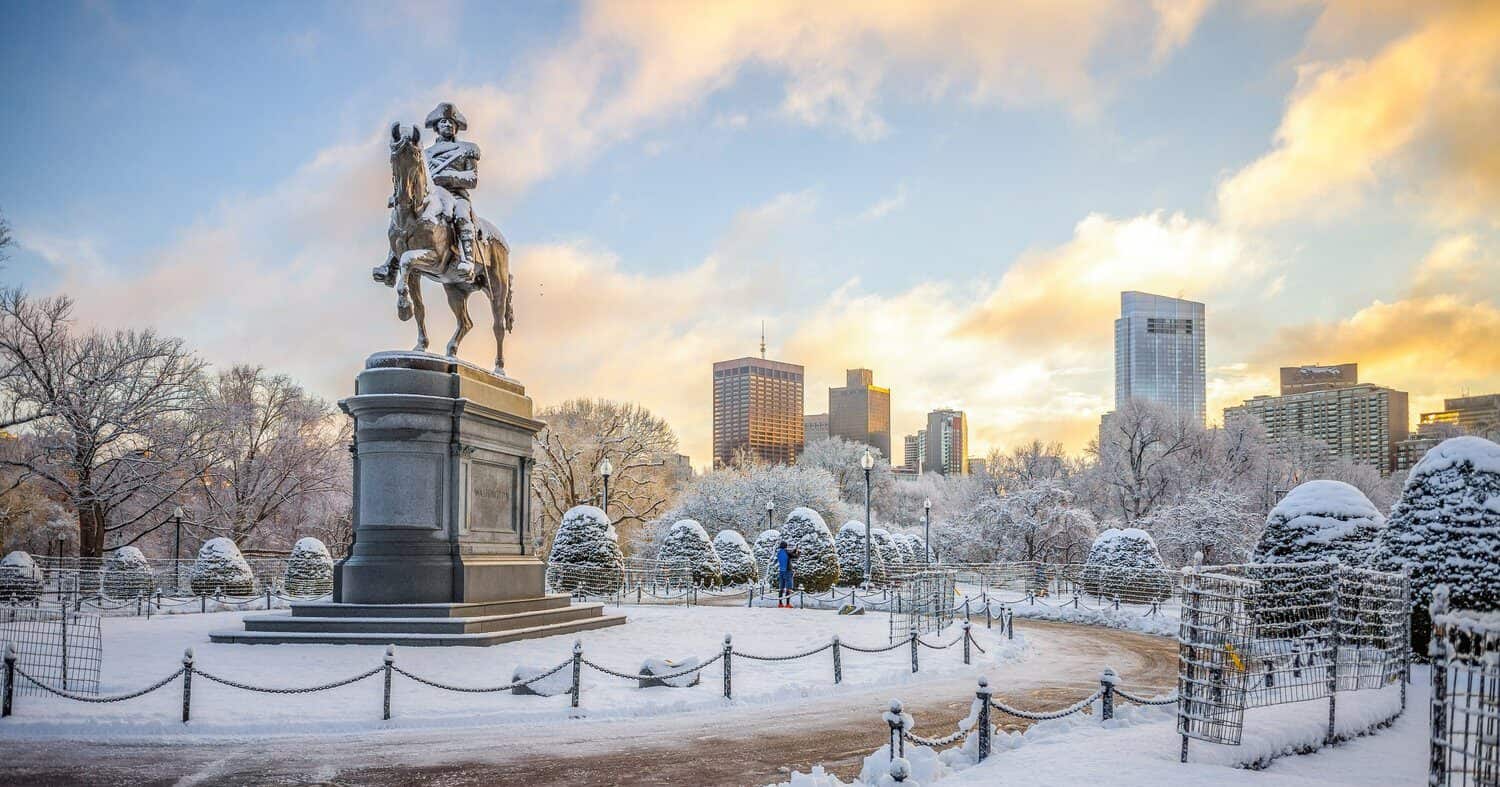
x=309, y=569
x=687, y=548
x=585, y=553
x=735, y=557
x=20, y=579
x=1320, y=520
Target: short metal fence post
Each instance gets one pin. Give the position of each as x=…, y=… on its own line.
x=801, y=597
x=10, y=679
x=966, y=642
x=390, y=659
x=637, y=594
x=751, y=601
x=1031, y=598
x=268, y=599
x=914, y=649
x=577, y=669
x=1117, y=602
x=1010, y=624
x=987, y=617
x=897, y=719
x=966, y=610
x=728, y=652
x=187, y=683
x=983, y=696
x=1107, y=680
x=203, y=603
x=838, y=662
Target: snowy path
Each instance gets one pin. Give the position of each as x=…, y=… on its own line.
x=748, y=744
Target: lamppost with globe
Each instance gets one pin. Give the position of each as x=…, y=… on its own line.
x=606, y=468
x=927, y=531
x=867, y=462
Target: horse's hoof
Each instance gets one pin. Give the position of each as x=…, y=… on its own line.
x=498, y=371
x=420, y=348
x=403, y=310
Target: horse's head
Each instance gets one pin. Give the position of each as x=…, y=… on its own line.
x=408, y=168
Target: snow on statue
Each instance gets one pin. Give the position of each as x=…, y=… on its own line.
x=736, y=558
x=850, y=547
x=220, y=568
x=816, y=566
x=586, y=553
x=309, y=569
x=1446, y=529
x=686, y=550
x=1320, y=520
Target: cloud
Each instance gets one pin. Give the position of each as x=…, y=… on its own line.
x=1422, y=113
x=885, y=206
x=1176, y=21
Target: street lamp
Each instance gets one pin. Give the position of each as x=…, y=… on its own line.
x=177, y=549
x=868, y=463
x=770, y=518
x=605, y=469
x=927, y=531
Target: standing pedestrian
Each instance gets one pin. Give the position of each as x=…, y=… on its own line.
x=784, y=557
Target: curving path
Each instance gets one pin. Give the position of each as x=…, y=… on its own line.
x=744, y=746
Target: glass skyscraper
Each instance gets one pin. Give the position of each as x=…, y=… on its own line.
x=1159, y=352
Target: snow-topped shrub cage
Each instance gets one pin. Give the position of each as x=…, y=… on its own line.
x=20, y=578
x=687, y=549
x=1267, y=634
x=1125, y=564
x=735, y=557
x=1465, y=652
x=309, y=569
x=128, y=575
x=585, y=557
x=764, y=550
x=1446, y=529
x=816, y=566
x=221, y=569
x=849, y=545
x=1320, y=520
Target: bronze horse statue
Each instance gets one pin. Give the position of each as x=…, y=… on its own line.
x=423, y=244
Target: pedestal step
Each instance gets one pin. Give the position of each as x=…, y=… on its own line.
x=414, y=639
x=325, y=609
x=423, y=625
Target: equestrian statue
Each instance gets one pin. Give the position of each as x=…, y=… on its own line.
x=434, y=231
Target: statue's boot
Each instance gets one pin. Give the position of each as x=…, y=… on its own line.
x=466, y=269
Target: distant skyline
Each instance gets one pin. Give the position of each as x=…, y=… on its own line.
x=951, y=194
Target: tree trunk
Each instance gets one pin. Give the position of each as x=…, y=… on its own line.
x=90, y=530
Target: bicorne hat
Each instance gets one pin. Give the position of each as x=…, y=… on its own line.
x=446, y=110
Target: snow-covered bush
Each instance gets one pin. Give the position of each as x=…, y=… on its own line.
x=309, y=569
x=736, y=558
x=687, y=550
x=914, y=549
x=585, y=554
x=1320, y=520
x=850, y=547
x=20, y=579
x=765, y=554
x=816, y=567
x=127, y=574
x=221, y=568
x=1125, y=563
x=1446, y=529
x=890, y=554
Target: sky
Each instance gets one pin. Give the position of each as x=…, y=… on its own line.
x=950, y=193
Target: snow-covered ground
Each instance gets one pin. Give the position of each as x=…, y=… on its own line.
x=1141, y=747
x=138, y=652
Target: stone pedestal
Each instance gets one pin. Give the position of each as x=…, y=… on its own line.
x=441, y=555
x=442, y=457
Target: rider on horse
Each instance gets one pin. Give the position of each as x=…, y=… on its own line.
x=454, y=165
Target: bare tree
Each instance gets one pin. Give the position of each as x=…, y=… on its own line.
x=106, y=417
x=1136, y=451
x=6, y=239
x=580, y=433
x=275, y=447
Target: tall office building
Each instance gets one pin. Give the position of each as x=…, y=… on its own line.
x=1478, y=415
x=861, y=411
x=947, y=443
x=814, y=428
x=757, y=407
x=1360, y=422
x=914, y=451
x=1159, y=352
x=1303, y=379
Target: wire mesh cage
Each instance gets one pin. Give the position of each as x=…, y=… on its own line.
x=923, y=602
x=1465, y=744
x=57, y=647
x=1214, y=634
x=1373, y=628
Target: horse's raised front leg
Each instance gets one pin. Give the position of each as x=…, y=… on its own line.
x=458, y=301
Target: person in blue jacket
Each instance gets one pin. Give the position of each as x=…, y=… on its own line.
x=784, y=557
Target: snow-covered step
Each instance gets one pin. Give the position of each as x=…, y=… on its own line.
x=325, y=609
x=414, y=639
x=423, y=625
